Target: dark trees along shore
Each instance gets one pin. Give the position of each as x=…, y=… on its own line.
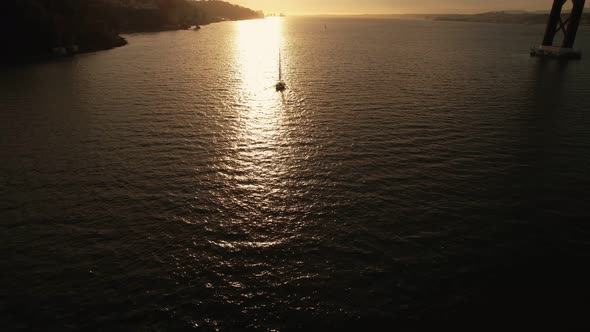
x=33, y=29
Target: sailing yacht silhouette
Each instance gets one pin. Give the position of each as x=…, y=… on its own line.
x=280, y=86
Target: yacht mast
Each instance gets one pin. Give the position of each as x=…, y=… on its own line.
x=280, y=67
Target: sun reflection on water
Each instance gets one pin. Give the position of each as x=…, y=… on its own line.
x=261, y=108
x=258, y=165
x=257, y=48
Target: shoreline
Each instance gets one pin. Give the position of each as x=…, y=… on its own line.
x=70, y=51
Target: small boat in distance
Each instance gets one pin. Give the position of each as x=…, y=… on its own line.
x=280, y=86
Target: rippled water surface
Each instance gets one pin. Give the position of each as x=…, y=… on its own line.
x=413, y=172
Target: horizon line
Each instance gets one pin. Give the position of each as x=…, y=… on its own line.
x=538, y=11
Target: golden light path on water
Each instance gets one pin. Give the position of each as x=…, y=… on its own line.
x=260, y=161
x=261, y=106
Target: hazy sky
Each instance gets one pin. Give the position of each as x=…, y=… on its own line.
x=391, y=6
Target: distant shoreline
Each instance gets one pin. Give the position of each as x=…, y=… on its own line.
x=502, y=18
x=497, y=17
x=121, y=41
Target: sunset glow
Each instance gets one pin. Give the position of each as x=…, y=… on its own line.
x=294, y=165
x=314, y=7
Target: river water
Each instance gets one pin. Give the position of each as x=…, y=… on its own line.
x=414, y=172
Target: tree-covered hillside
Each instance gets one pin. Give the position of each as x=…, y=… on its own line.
x=40, y=28
x=220, y=10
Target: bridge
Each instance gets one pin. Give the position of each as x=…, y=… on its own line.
x=569, y=26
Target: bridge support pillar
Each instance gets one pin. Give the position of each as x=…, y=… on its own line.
x=573, y=24
x=569, y=27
